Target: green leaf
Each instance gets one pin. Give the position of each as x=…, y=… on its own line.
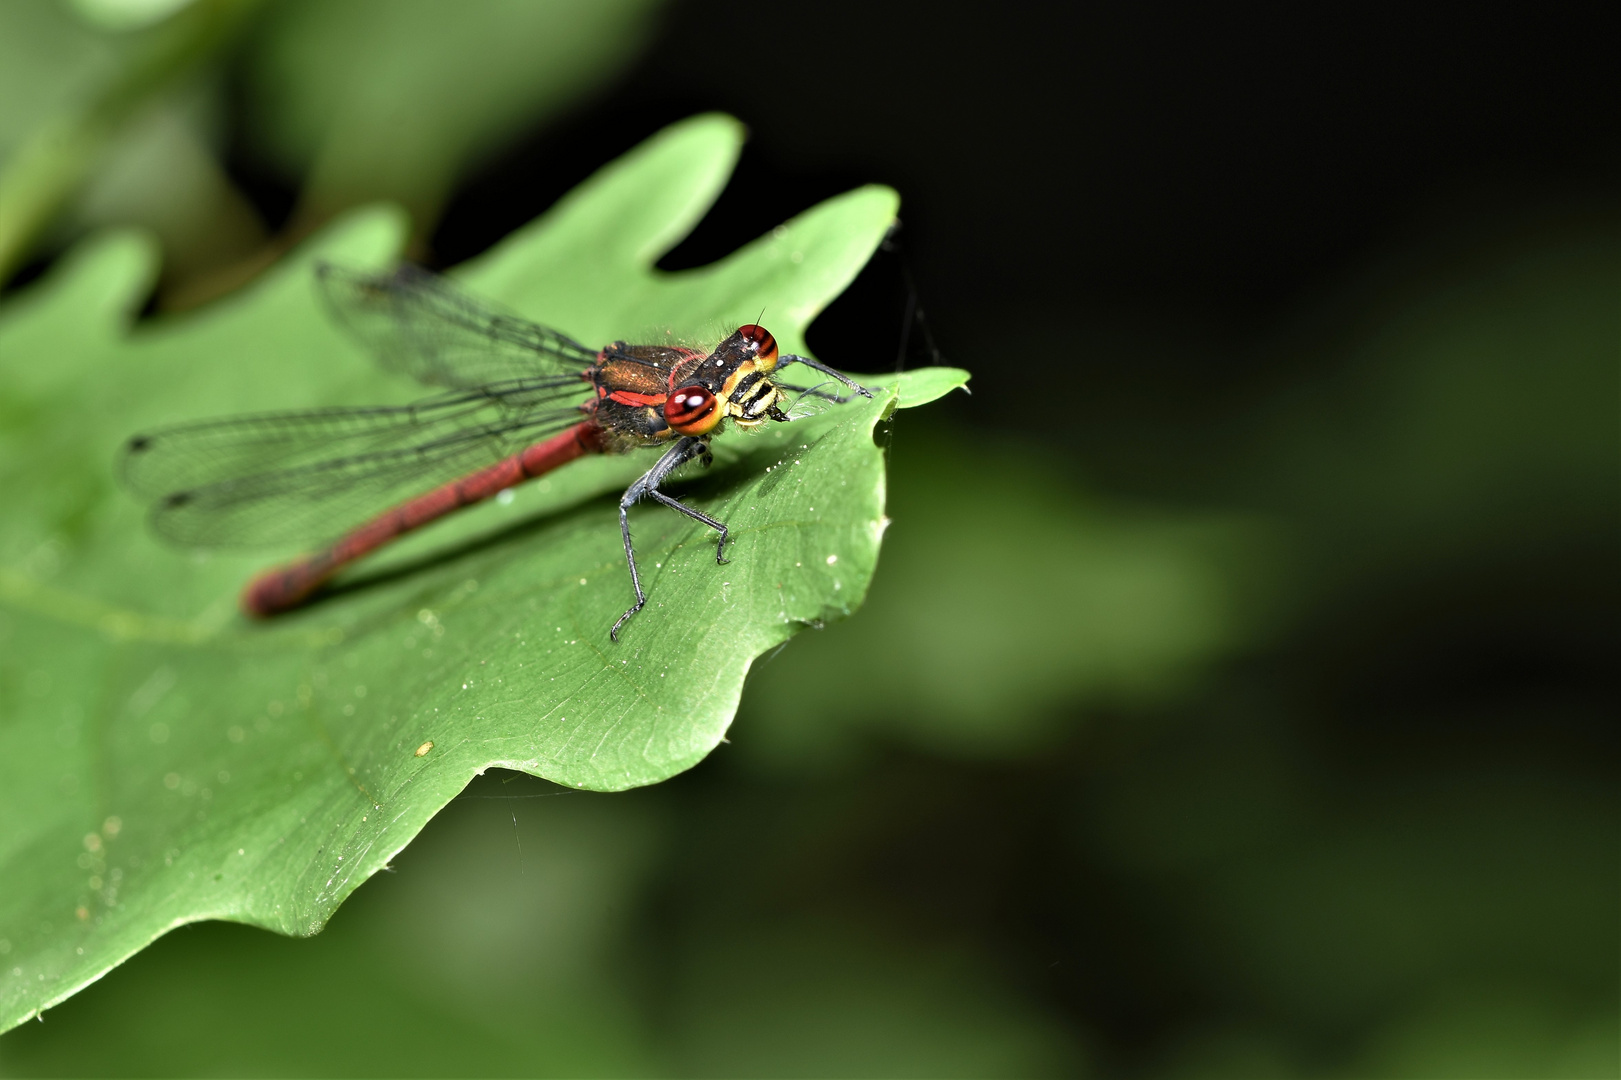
x=168, y=761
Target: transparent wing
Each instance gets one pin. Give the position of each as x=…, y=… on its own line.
x=275, y=478
x=418, y=323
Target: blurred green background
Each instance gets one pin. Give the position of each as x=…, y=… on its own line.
x=1236, y=694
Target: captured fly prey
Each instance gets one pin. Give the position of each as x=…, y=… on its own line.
x=511, y=409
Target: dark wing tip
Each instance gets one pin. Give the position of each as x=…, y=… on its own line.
x=132, y=458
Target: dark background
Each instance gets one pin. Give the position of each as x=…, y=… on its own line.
x=1319, y=301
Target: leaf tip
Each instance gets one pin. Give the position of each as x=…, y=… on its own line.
x=924, y=385
x=105, y=278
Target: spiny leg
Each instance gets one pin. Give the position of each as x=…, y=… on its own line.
x=817, y=365
x=675, y=457
x=698, y=515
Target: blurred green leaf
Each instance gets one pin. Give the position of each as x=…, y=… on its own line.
x=1473, y=422
x=49, y=61
x=795, y=998
x=1006, y=596
x=1417, y=880
x=159, y=174
x=60, y=147
x=396, y=98
x=1479, y=1031
x=169, y=762
x=119, y=15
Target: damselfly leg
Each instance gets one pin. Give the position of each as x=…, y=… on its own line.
x=681, y=453
x=816, y=365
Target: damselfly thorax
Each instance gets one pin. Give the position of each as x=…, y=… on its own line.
x=653, y=393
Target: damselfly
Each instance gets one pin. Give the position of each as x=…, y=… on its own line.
x=509, y=412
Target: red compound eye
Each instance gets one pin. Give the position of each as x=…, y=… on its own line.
x=692, y=410
x=766, y=357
